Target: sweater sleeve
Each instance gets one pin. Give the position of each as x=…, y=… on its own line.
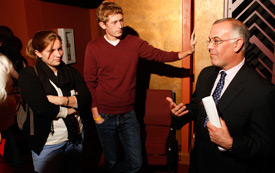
x=90, y=72
x=151, y=53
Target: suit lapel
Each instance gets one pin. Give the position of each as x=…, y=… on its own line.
x=210, y=82
x=235, y=87
x=206, y=88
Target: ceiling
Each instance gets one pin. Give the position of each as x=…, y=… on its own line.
x=78, y=3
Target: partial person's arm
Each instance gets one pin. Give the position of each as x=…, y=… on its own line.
x=69, y=102
x=181, y=114
x=220, y=136
x=151, y=53
x=178, y=110
x=90, y=73
x=97, y=117
x=193, y=42
x=260, y=138
x=80, y=101
x=33, y=94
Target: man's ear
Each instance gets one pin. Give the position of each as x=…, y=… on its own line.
x=239, y=43
x=38, y=53
x=102, y=25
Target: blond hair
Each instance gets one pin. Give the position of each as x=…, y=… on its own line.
x=40, y=41
x=106, y=9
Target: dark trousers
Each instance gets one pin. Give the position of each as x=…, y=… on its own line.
x=124, y=129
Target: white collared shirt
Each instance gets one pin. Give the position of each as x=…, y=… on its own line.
x=230, y=74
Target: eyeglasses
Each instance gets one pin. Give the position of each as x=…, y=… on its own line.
x=216, y=41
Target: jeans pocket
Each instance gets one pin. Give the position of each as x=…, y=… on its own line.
x=130, y=114
x=104, y=117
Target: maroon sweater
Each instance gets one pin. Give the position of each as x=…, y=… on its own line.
x=110, y=71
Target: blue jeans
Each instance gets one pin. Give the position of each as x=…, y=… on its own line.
x=124, y=129
x=59, y=158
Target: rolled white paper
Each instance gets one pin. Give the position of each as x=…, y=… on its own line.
x=212, y=113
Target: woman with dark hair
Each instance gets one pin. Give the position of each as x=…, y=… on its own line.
x=60, y=100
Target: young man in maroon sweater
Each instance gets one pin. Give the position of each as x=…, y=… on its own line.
x=110, y=73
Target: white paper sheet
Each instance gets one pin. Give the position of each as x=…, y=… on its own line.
x=212, y=113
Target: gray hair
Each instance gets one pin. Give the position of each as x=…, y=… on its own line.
x=238, y=28
x=5, y=68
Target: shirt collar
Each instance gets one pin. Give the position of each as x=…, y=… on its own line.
x=230, y=74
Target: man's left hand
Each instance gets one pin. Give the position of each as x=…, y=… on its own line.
x=220, y=136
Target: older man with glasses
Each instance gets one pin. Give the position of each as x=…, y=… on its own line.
x=245, y=103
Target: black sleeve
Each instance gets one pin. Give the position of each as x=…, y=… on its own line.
x=33, y=94
x=84, y=100
x=83, y=96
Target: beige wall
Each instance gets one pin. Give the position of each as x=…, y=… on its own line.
x=206, y=12
x=159, y=23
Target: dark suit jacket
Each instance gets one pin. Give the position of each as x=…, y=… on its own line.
x=247, y=107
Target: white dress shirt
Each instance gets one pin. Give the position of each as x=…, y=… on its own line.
x=230, y=74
